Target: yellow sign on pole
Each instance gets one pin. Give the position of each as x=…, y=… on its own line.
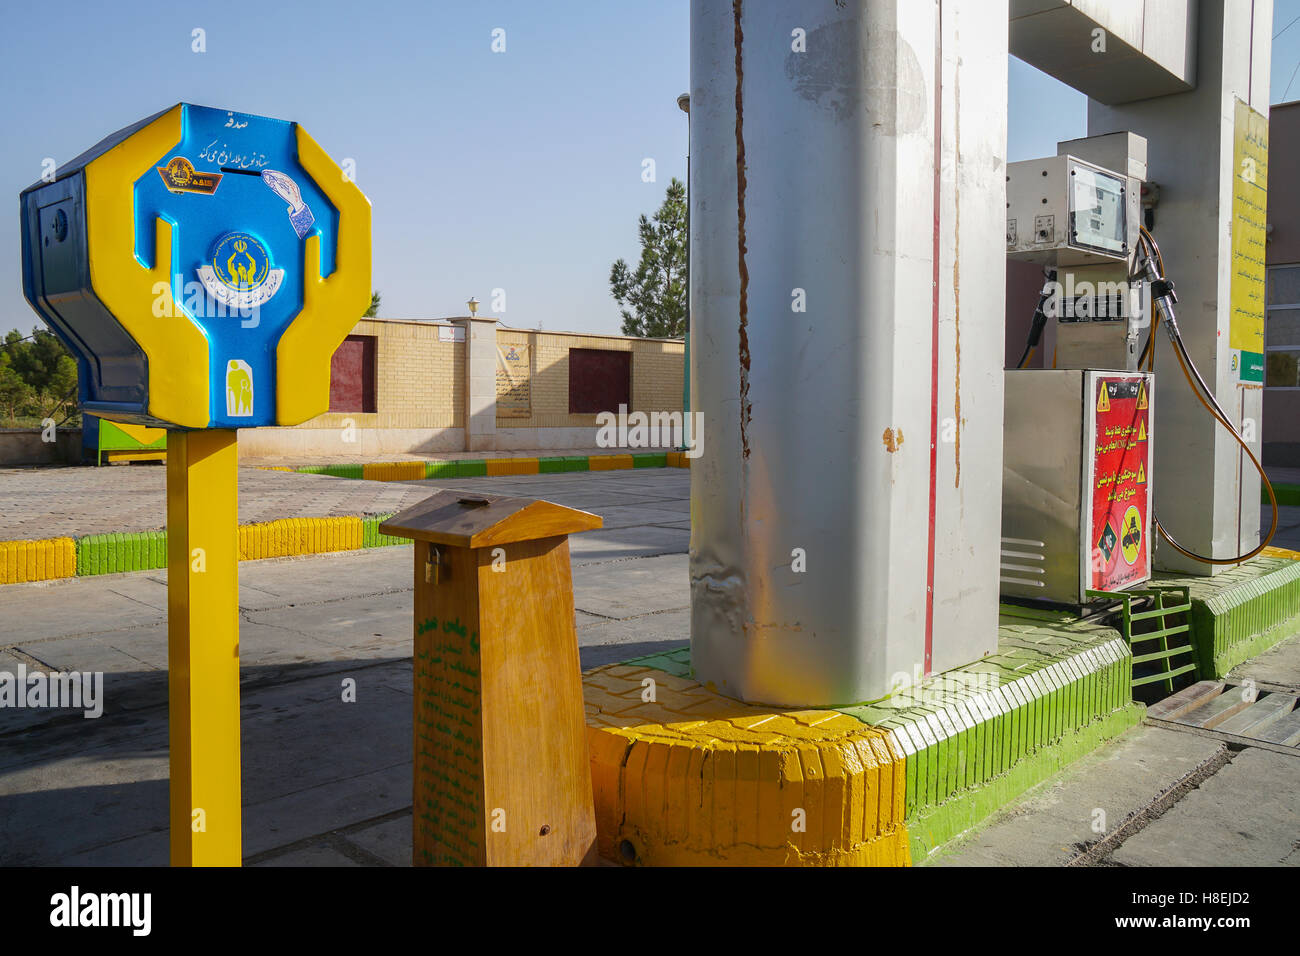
x=1249, y=233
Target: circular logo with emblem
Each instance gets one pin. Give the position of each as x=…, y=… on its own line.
x=239, y=271
x=180, y=172
x=240, y=261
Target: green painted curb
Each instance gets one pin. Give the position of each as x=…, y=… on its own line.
x=550, y=466
x=1241, y=611
x=311, y=469
x=115, y=552
x=471, y=468
x=440, y=469
x=935, y=826
x=650, y=460
x=341, y=471
x=371, y=536
x=1287, y=495
x=577, y=463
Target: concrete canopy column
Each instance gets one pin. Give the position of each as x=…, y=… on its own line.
x=1206, y=491
x=847, y=293
x=480, y=382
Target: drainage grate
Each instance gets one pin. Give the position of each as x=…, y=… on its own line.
x=1243, y=714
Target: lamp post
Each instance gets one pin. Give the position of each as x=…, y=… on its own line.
x=473, y=306
x=684, y=104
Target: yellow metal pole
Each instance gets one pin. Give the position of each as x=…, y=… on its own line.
x=203, y=646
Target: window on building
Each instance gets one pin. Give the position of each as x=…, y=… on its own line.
x=1282, y=328
x=352, y=375
x=600, y=380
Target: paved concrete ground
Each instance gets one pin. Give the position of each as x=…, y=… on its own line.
x=1244, y=812
x=1288, y=526
x=328, y=782
x=324, y=781
x=51, y=502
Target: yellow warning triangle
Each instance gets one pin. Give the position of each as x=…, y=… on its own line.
x=1142, y=474
x=1103, y=400
x=1142, y=431
x=1142, y=395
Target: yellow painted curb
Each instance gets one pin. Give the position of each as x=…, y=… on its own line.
x=393, y=471
x=291, y=536
x=692, y=778
x=678, y=459
x=511, y=466
x=43, y=560
x=609, y=462
x=1280, y=553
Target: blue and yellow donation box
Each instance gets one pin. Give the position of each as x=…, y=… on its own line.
x=203, y=265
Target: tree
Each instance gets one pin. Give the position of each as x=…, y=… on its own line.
x=652, y=300
x=373, y=311
x=15, y=394
x=38, y=375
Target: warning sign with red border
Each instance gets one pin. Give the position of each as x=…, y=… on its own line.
x=1121, y=538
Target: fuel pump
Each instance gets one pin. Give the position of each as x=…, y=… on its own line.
x=1077, y=508
x=1077, y=471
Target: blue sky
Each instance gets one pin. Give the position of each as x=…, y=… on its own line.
x=518, y=170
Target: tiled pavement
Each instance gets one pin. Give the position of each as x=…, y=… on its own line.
x=51, y=502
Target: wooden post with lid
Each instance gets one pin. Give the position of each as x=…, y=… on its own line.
x=501, y=770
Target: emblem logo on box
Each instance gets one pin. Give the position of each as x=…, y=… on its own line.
x=239, y=273
x=180, y=176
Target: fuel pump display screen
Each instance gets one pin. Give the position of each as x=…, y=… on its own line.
x=1121, y=466
x=1096, y=210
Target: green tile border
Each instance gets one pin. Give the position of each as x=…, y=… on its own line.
x=115, y=552
x=1241, y=611
x=477, y=467
x=1287, y=495
x=935, y=826
x=371, y=536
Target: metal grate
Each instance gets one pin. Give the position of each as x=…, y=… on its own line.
x=1154, y=606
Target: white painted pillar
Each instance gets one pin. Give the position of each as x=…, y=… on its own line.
x=480, y=382
x=847, y=300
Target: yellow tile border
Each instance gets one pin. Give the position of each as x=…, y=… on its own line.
x=393, y=471
x=292, y=536
x=37, y=560
x=511, y=466
x=691, y=778
x=608, y=462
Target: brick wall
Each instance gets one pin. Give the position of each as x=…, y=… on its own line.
x=419, y=382
x=656, y=375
